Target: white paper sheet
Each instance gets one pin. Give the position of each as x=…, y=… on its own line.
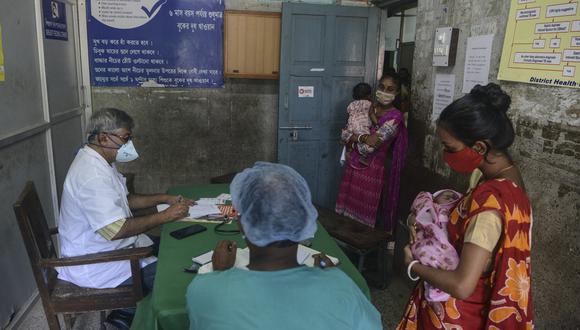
x=204, y=258
x=198, y=211
x=162, y=207
x=477, y=60
x=220, y=199
x=223, y=198
x=207, y=201
x=443, y=93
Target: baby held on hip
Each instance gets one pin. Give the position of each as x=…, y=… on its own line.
x=432, y=247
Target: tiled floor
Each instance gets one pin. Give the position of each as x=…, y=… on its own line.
x=35, y=320
x=390, y=302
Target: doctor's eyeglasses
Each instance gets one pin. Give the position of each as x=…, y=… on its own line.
x=125, y=138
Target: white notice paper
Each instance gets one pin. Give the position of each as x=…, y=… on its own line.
x=443, y=93
x=477, y=58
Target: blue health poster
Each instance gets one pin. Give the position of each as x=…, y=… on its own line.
x=54, y=14
x=156, y=43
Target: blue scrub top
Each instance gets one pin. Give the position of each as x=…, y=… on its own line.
x=296, y=298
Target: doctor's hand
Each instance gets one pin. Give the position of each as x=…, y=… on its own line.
x=177, y=211
x=179, y=199
x=224, y=255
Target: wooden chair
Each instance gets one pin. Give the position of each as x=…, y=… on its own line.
x=61, y=297
x=360, y=239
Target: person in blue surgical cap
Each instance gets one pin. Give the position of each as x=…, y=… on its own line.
x=275, y=292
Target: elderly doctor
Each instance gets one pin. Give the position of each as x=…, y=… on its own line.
x=275, y=292
x=95, y=213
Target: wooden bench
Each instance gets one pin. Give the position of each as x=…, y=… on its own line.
x=360, y=239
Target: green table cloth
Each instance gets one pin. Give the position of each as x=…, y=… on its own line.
x=165, y=307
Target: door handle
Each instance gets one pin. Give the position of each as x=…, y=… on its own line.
x=294, y=135
x=295, y=127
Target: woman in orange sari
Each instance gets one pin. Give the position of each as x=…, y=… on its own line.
x=491, y=227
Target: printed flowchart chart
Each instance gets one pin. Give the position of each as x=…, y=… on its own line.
x=542, y=43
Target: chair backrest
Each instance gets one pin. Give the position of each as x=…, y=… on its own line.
x=36, y=234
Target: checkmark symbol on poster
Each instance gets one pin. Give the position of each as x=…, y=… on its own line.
x=155, y=7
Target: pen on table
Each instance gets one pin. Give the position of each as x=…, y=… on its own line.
x=322, y=263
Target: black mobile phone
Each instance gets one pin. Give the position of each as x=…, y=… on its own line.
x=187, y=231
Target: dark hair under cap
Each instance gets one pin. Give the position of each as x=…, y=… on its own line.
x=480, y=115
x=361, y=91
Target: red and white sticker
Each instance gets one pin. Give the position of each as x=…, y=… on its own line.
x=305, y=91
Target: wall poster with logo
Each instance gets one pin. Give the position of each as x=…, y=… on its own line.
x=156, y=43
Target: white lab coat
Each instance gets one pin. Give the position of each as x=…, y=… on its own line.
x=94, y=196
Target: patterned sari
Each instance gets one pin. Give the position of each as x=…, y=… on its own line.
x=502, y=298
x=361, y=188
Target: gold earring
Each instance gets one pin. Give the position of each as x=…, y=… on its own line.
x=479, y=149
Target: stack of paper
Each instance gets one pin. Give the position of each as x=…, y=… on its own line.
x=224, y=198
x=207, y=201
x=196, y=211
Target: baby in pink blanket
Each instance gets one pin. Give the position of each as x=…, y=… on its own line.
x=432, y=247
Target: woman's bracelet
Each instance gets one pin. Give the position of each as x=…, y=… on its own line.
x=409, y=270
x=362, y=138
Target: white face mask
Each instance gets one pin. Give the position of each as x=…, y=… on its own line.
x=384, y=98
x=126, y=153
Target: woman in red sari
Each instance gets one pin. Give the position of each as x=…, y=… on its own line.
x=491, y=227
x=361, y=187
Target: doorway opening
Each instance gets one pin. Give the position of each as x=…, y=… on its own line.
x=399, y=49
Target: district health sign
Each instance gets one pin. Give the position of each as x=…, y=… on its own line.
x=542, y=43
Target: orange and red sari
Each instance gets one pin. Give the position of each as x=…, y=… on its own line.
x=502, y=298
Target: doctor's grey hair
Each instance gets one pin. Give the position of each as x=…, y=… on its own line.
x=108, y=120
